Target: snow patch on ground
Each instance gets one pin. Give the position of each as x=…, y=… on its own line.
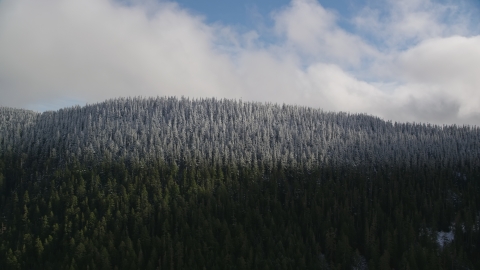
x=444, y=238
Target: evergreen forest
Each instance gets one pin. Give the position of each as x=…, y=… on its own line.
x=179, y=183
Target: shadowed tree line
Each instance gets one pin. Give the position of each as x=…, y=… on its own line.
x=164, y=216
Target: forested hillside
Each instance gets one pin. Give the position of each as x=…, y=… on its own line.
x=220, y=132
x=167, y=183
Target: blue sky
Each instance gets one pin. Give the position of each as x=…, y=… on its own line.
x=409, y=60
x=249, y=14
x=243, y=13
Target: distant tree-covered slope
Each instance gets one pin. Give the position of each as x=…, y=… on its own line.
x=211, y=131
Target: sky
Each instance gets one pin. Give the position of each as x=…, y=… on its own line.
x=404, y=61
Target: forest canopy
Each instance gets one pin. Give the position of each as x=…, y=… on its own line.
x=167, y=183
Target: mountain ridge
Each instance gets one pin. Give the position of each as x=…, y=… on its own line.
x=229, y=131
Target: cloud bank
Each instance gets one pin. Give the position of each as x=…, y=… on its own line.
x=413, y=60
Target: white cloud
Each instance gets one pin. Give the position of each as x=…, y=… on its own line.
x=313, y=30
x=449, y=65
x=58, y=52
x=98, y=49
x=399, y=24
x=337, y=90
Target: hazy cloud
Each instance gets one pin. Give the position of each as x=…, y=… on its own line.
x=414, y=60
x=313, y=30
x=451, y=66
x=94, y=50
x=399, y=24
